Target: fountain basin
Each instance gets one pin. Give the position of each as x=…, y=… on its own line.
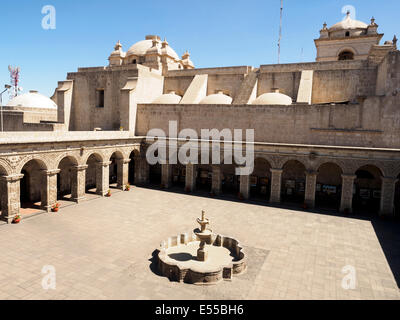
x=177, y=259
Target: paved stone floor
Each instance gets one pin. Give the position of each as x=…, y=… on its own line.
x=102, y=249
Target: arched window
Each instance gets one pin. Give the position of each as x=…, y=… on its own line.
x=346, y=55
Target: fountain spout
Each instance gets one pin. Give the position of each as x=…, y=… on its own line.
x=204, y=235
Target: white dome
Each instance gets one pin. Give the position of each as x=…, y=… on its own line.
x=169, y=98
x=273, y=98
x=218, y=98
x=32, y=100
x=348, y=24
x=140, y=48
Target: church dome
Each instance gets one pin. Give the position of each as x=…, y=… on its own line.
x=169, y=98
x=218, y=98
x=32, y=100
x=273, y=98
x=348, y=24
x=140, y=48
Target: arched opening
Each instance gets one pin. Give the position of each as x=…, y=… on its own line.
x=132, y=173
x=115, y=170
x=134, y=61
x=93, y=174
x=347, y=34
x=179, y=175
x=293, y=182
x=230, y=181
x=329, y=186
x=155, y=174
x=367, y=191
x=260, y=180
x=397, y=198
x=204, y=177
x=346, y=55
x=32, y=186
x=65, y=178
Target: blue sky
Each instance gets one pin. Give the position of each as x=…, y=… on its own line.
x=216, y=32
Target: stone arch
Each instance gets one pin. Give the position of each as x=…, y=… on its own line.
x=115, y=168
x=329, y=185
x=293, y=181
x=282, y=161
x=367, y=189
x=260, y=179
x=94, y=173
x=66, y=176
x=346, y=49
x=5, y=168
x=134, y=166
x=98, y=155
x=33, y=185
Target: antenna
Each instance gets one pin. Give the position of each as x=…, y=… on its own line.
x=14, y=76
x=280, y=34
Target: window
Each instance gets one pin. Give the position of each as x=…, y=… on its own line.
x=348, y=34
x=134, y=61
x=100, y=98
x=346, y=55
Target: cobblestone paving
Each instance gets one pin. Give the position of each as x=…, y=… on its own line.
x=102, y=249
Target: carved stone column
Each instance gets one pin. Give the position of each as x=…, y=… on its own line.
x=190, y=177
x=166, y=175
x=78, y=183
x=122, y=173
x=10, y=196
x=276, y=183
x=216, y=180
x=311, y=183
x=49, y=189
x=245, y=186
x=387, y=196
x=346, y=202
x=102, y=177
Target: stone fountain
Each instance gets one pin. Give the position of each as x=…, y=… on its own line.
x=201, y=256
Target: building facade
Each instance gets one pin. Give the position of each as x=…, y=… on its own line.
x=327, y=133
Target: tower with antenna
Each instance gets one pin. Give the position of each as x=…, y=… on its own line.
x=14, y=77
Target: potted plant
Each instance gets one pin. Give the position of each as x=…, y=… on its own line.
x=108, y=194
x=55, y=207
x=212, y=194
x=128, y=187
x=17, y=219
x=188, y=190
x=305, y=206
x=240, y=196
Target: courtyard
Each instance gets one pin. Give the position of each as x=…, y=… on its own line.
x=104, y=248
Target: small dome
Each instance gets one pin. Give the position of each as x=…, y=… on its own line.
x=273, y=98
x=218, y=98
x=348, y=24
x=169, y=98
x=33, y=100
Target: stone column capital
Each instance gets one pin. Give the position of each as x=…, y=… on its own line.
x=11, y=178
x=103, y=164
x=390, y=179
x=51, y=172
x=349, y=176
x=80, y=168
x=276, y=170
x=123, y=161
x=311, y=172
